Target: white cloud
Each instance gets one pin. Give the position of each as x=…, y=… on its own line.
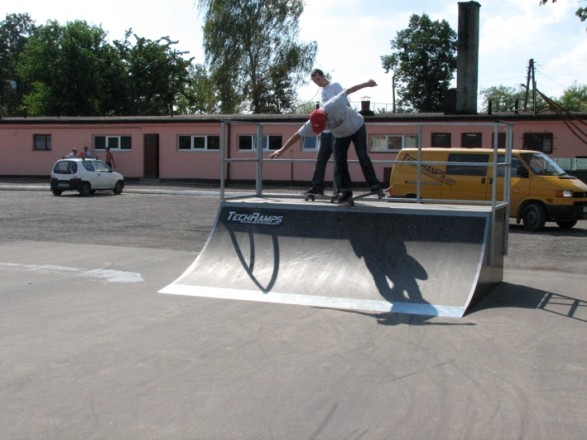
x=352, y=35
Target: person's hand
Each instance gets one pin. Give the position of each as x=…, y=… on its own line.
x=371, y=83
x=275, y=154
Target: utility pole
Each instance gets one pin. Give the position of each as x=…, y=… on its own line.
x=533, y=85
x=393, y=93
x=530, y=76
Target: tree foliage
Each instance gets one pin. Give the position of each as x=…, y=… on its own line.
x=14, y=33
x=253, y=55
x=423, y=63
x=64, y=65
x=574, y=98
x=197, y=94
x=503, y=99
x=73, y=70
x=155, y=75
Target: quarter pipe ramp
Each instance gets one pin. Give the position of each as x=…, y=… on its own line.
x=377, y=256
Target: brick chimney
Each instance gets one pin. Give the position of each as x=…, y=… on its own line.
x=468, y=58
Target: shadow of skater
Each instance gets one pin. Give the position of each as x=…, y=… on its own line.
x=394, y=271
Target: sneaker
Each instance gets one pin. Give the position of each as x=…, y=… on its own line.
x=376, y=189
x=344, y=197
x=315, y=191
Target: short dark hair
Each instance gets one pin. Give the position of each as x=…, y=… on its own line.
x=317, y=72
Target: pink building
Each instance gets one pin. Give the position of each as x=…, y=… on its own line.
x=191, y=147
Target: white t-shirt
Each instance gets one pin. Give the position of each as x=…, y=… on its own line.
x=341, y=119
x=330, y=91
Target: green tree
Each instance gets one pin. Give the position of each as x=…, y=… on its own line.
x=155, y=75
x=574, y=98
x=251, y=50
x=423, y=63
x=73, y=70
x=510, y=99
x=503, y=98
x=197, y=95
x=14, y=33
x=64, y=66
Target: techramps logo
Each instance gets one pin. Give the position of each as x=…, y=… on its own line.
x=254, y=218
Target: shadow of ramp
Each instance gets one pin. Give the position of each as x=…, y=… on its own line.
x=418, y=261
x=523, y=297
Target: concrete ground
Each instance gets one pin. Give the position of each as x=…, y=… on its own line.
x=89, y=349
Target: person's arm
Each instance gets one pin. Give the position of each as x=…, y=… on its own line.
x=353, y=89
x=292, y=140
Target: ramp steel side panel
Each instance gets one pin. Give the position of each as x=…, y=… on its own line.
x=378, y=260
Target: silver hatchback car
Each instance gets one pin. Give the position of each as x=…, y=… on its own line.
x=85, y=176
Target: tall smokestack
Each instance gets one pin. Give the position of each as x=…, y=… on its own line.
x=468, y=58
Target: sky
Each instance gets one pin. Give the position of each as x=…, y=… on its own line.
x=352, y=35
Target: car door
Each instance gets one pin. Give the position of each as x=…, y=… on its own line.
x=519, y=185
x=104, y=176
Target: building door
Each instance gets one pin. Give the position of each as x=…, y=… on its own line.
x=151, y=156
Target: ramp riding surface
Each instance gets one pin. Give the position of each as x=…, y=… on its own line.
x=376, y=256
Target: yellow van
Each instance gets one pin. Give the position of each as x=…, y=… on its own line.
x=540, y=190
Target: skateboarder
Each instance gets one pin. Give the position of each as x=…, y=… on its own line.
x=329, y=90
x=346, y=125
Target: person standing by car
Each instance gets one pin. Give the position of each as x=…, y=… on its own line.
x=86, y=154
x=72, y=154
x=110, y=159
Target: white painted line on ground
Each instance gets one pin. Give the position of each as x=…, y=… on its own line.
x=109, y=275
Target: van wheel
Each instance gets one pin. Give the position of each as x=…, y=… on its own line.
x=567, y=225
x=85, y=189
x=56, y=192
x=534, y=217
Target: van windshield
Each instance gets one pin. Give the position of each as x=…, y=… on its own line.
x=542, y=164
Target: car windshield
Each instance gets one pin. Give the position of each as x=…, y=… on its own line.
x=540, y=163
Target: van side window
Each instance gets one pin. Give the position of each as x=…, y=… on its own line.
x=514, y=168
x=467, y=170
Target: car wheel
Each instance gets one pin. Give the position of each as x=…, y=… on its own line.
x=85, y=189
x=118, y=187
x=567, y=224
x=534, y=217
x=56, y=192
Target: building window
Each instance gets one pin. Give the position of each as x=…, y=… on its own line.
x=114, y=142
x=539, y=142
x=500, y=140
x=392, y=142
x=310, y=143
x=440, y=140
x=187, y=143
x=248, y=143
x=471, y=140
x=42, y=142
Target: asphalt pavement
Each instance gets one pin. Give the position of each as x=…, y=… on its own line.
x=89, y=348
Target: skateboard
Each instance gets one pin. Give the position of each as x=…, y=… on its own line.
x=351, y=201
x=314, y=197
